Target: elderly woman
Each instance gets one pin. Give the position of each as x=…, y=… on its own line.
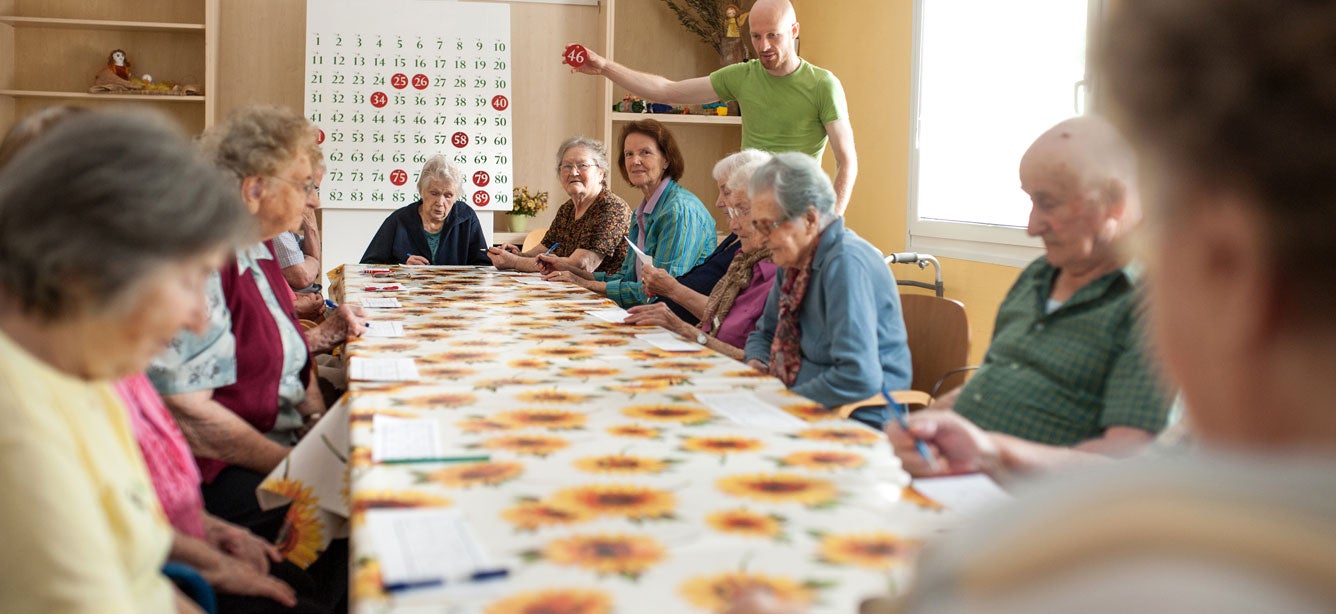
x=670, y=225
x=437, y=229
x=589, y=232
x=730, y=312
x=143, y=220
x=685, y=294
x=832, y=329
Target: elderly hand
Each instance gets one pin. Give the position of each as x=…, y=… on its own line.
x=758, y=365
x=958, y=444
x=417, y=260
x=242, y=545
x=550, y=263
x=233, y=577
x=658, y=282
x=349, y=319
x=501, y=258
x=760, y=601
x=658, y=314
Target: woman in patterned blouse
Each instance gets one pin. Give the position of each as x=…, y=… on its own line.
x=589, y=228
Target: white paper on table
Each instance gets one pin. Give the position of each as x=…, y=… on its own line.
x=382, y=369
x=745, y=408
x=381, y=302
x=962, y=493
x=423, y=545
x=616, y=316
x=642, y=257
x=668, y=342
x=530, y=280
x=404, y=438
x=383, y=328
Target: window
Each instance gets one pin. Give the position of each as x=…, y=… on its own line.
x=989, y=77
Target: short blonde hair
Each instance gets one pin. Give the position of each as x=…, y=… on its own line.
x=258, y=140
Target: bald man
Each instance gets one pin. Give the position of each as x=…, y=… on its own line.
x=787, y=103
x=1067, y=366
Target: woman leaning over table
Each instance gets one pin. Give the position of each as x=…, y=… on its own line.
x=590, y=229
x=730, y=312
x=437, y=229
x=92, y=285
x=832, y=330
x=670, y=225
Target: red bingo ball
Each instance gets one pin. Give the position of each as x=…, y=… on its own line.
x=576, y=55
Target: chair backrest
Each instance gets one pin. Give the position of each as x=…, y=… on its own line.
x=532, y=239
x=939, y=338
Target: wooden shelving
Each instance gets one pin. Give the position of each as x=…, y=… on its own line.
x=675, y=118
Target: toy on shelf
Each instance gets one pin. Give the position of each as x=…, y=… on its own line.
x=116, y=78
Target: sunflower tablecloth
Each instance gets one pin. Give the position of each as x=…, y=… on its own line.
x=609, y=487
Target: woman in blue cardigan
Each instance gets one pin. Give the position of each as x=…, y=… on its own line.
x=437, y=229
x=670, y=225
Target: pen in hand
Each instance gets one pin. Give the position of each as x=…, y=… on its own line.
x=902, y=417
x=549, y=250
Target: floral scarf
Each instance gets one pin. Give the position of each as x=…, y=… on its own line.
x=737, y=278
x=786, y=355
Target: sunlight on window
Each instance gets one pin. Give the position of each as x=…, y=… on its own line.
x=993, y=75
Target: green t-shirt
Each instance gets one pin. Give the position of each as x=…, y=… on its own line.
x=786, y=113
x=433, y=242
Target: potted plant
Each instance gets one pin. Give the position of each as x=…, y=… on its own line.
x=526, y=206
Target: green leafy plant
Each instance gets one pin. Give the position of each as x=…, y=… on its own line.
x=528, y=204
x=704, y=18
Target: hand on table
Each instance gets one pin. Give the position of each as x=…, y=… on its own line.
x=232, y=576
x=242, y=545
x=501, y=257
x=348, y=320
x=658, y=314
x=417, y=260
x=958, y=444
x=758, y=365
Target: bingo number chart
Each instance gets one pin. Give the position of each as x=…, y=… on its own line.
x=391, y=83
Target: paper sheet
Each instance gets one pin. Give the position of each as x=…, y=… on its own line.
x=963, y=493
x=384, y=329
x=423, y=545
x=404, y=438
x=382, y=369
x=645, y=259
x=381, y=303
x=668, y=342
x=616, y=316
x=530, y=280
x=746, y=408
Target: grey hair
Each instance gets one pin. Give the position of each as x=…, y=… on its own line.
x=82, y=220
x=599, y=150
x=799, y=183
x=438, y=168
x=724, y=168
x=741, y=177
x=258, y=140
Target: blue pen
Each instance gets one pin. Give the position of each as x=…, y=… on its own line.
x=482, y=575
x=902, y=417
x=408, y=586
x=549, y=250
x=331, y=304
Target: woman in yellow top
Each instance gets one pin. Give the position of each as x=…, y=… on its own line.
x=109, y=225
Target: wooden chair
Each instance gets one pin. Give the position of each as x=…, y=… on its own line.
x=939, y=344
x=533, y=239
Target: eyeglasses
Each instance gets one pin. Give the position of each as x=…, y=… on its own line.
x=738, y=212
x=568, y=167
x=766, y=227
x=306, y=188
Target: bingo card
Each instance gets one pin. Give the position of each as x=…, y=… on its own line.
x=391, y=83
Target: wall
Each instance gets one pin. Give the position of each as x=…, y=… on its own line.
x=868, y=44
x=262, y=46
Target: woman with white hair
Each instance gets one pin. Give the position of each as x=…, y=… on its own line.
x=437, y=229
x=832, y=330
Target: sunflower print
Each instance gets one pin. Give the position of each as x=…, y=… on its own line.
x=912, y=495
x=360, y=458
x=364, y=417
x=535, y=445
x=494, y=384
x=555, y=601
x=620, y=554
x=721, y=444
x=638, y=388
x=671, y=379
x=812, y=412
x=562, y=352
x=684, y=365
x=715, y=592
x=532, y=514
x=620, y=464
x=442, y=399
x=748, y=373
x=779, y=488
x=876, y=550
x=387, y=499
x=633, y=430
x=302, y=537
x=631, y=501
x=479, y=424
x=447, y=372
x=528, y=363
x=604, y=342
x=551, y=395
x=855, y=435
x=744, y=522
x=556, y=419
x=366, y=583
x=682, y=414
x=587, y=373
x=824, y=460
x=543, y=336
x=490, y=473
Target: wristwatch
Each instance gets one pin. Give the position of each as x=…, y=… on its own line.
x=701, y=338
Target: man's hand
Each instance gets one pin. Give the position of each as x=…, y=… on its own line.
x=657, y=282
x=958, y=444
x=593, y=62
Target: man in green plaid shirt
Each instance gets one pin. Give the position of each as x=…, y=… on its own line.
x=1067, y=366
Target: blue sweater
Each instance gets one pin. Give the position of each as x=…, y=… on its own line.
x=679, y=234
x=853, y=333
x=402, y=234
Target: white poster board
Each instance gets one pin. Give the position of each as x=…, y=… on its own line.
x=392, y=82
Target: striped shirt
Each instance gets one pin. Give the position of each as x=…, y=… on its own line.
x=679, y=234
x=1064, y=377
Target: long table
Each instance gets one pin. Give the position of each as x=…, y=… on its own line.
x=609, y=488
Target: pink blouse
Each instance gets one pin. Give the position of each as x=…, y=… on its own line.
x=170, y=464
x=747, y=307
